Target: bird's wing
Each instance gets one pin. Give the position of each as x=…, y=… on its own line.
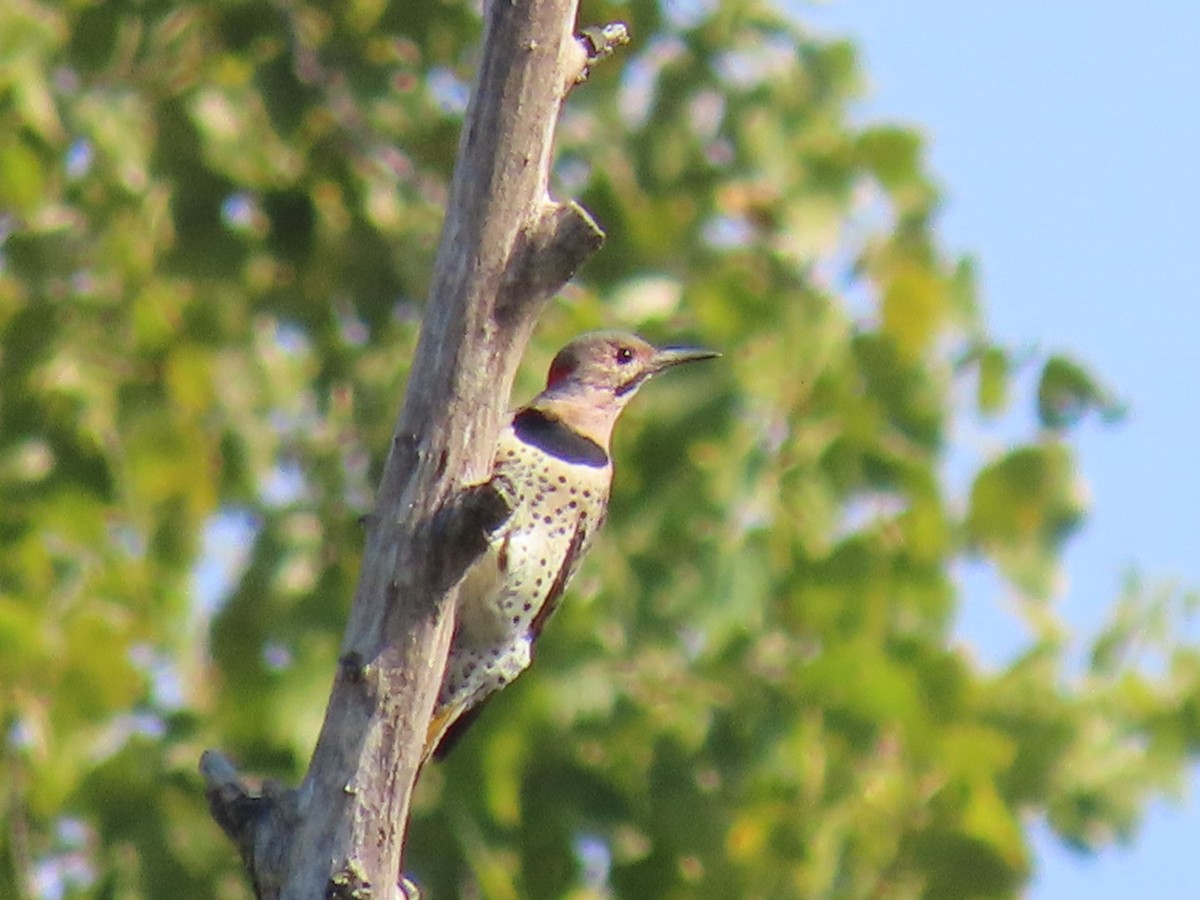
x=570, y=563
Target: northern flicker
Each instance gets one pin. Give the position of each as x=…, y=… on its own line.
x=553, y=467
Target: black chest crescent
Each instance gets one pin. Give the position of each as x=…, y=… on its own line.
x=553, y=436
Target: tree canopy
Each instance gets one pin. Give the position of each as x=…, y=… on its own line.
x=217, y=222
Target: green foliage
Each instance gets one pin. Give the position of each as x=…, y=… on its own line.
x=218, y=222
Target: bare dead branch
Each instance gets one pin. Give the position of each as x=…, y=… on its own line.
x=506, y=248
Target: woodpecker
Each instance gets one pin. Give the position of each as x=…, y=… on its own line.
x=554, y=469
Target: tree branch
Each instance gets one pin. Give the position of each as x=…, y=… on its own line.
x=505, y=248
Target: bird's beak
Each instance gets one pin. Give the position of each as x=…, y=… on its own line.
x=667, y=357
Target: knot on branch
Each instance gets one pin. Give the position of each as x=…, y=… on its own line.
x=350, y=882
x=547, y=254
x=462, y=527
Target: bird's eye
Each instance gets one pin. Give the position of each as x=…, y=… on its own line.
x=624, y=355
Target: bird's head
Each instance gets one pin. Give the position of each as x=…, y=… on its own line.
x=614, y=364
x=594, y=376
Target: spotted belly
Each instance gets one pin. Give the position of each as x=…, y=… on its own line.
x=512, y=590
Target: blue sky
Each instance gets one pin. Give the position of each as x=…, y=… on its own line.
x=1067, y=139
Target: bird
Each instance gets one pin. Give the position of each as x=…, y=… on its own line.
x=553, y=468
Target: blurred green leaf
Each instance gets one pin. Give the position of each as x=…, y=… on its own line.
x=994, y=378
x=1067, y=391
x=1022, y=509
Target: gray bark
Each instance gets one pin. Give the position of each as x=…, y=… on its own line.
x=505, y=248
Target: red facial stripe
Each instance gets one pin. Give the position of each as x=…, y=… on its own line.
x=562, y=366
